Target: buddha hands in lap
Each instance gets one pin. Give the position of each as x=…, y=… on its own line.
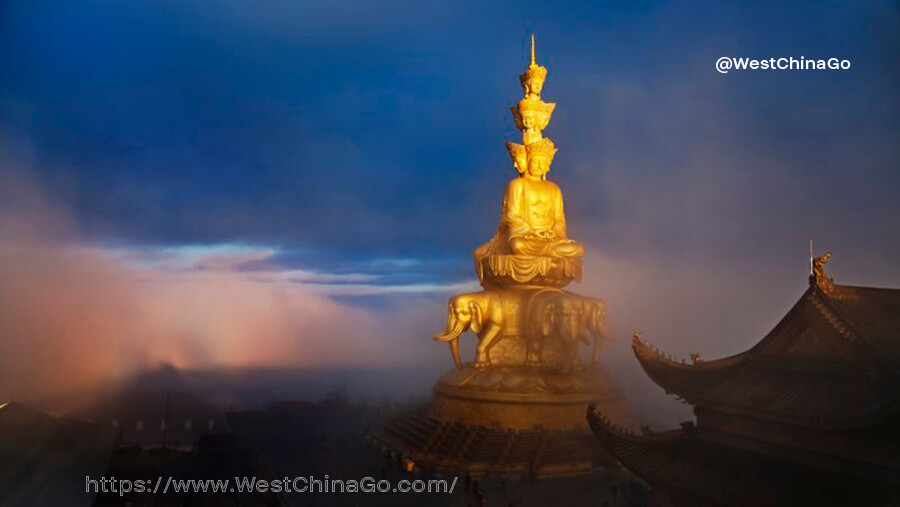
x=533, y=222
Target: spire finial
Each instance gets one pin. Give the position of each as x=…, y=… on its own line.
x=811, y=256
x=533, y=63
x=531, y=110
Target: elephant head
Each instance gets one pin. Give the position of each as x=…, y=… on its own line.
x=565, y=315
x=571, y=317
x=479, y=311
x=596, y=323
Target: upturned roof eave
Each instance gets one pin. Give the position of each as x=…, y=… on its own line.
x=687, y=379
x=681, y=377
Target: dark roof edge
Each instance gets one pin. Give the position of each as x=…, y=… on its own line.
x=672, y=375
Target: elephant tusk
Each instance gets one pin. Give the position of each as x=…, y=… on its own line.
x=603, y=332
x=452, y=333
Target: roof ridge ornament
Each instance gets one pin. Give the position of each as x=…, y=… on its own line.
x=817, y=276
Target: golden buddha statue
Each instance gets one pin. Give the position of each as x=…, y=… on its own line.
x=528, y=366
x=533, y=221
x=531, y=238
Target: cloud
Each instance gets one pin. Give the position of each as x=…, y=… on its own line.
x=697, y=230
x=375, y=290
x=373, y=161
x=260, y=264
x=75, y=317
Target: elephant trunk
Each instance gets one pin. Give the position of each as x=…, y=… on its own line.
x=455, y=327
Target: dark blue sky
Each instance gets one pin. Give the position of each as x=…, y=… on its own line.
x=351, y=135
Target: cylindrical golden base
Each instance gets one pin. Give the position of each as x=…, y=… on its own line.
x=523, y=397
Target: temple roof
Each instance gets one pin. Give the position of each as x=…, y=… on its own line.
x=479, y=449
x=697, y=472
x=832, y=362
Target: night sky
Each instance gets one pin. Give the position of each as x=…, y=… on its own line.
x=358, y=145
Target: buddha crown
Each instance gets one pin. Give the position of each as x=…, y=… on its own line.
x=531, y=115
x=541, y=149
x=533, y=78
x=537, y=109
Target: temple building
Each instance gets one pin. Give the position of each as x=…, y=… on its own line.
x=810, y=415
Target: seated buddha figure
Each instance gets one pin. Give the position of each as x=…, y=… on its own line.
x=533, y=222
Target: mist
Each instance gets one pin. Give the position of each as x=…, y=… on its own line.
x=76, y=317
x=696, y=194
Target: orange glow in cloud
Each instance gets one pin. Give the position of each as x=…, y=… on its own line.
x=74, y=318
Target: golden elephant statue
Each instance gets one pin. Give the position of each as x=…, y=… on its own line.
x=571, y=317
x=482, y=312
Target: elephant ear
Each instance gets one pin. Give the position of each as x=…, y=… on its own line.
x=548, y=319
x=477, y=319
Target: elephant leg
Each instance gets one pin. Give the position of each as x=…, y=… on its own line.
x=600, y=333
x=487, y=340
x=534, y=350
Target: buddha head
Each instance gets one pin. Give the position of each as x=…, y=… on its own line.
x=518, y=156
x=533, y=78
x=533, y=114
x=540, y=156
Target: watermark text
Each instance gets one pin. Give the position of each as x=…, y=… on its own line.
x=729, y=63
x=310, y=484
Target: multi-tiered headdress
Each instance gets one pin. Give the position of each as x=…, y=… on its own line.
x=531, y=115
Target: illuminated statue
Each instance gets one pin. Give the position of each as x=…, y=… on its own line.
x=536, y=359
x=525, y=323
x=531, y=244
x=483, y=314
x=533, y=221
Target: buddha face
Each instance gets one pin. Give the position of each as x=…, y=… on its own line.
x=530, y=120
x=520, y=163
x=533, y=86
x=538, y=166
x=534, y=119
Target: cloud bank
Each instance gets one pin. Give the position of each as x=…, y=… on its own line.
x=75, y=317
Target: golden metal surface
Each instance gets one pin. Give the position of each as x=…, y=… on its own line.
x=523, y=318
x=530, y=246
x=527, y=368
